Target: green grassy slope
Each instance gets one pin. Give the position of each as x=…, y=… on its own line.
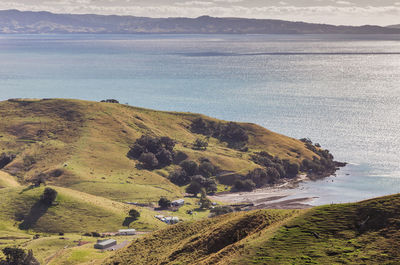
x=89, y=141
x=204, y=242
x=72, y=211
x=358, y=233
x=334, y=234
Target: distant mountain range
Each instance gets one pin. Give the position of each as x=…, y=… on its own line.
x=14, y=21
x=394, y=26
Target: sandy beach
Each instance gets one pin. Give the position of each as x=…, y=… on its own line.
x=270, y=197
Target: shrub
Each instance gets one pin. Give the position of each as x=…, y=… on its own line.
x=206, y=169
x=95, y=234
x=194, y=188
x=200, y=144
x=167, y=143
x=273, y=174
x=148, y=160
x=211, y=186
x=6, y=159
x=110, y=101
x=179, y=157
x=205, y=203
x=259, y=177
x=164, y=203
x=134, y=214
x=244, y=185
x=220, y=210
x=49, y=196
x=179, y=177
x=292, y=169
x=190, y=167
x=164, y=157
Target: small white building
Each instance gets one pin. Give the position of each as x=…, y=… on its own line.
x=167, y=219
x=103, y=244
x=178, y=203
x=171, y=220
x=126, y=232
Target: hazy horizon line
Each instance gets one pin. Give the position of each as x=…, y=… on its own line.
x=196, y=17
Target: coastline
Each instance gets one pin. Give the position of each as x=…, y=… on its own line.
x=274, y=197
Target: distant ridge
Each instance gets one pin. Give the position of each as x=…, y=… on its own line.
x=394, y=26
x=27, y=22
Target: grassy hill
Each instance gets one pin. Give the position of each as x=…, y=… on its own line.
x=83, y=146
x=80, y=149
x=73, y=211
x=357, y=233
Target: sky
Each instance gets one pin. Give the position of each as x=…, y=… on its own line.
x=338, y=12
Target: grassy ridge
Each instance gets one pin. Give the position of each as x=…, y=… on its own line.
x=204, y=242
x=356, y=233
x=89, y=141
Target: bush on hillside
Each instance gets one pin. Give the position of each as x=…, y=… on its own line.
x=6, y=159
x=206, y=169
x=148, y=160
x=231, y=132
x=200, y=144
x=204, y=202
x=164, y=203
x=179, y=177
x=220, y=210
x=194, y=188
x=292, y=169
x=191, y=167
x=110, y=101
x=134, y=214
x=49, y=196
x=244, y=185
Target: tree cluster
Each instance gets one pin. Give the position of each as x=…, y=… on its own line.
x=198, y=176
x=153, y=152
x=17, y=256
x=110, y=101
x=231, y=132
x=284, y=167
x=320, y=166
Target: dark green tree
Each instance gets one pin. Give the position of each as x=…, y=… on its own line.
x=190, y=167
x=194, y=188
x=148, y=160
x=49, y=196
x=205, y=203
x=134, y=214
x=164, y=203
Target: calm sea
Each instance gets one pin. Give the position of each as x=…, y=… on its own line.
x=342, y=91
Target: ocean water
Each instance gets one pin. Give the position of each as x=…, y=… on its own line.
x=342, y=91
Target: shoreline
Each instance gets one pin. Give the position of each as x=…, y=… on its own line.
x=275, y=197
